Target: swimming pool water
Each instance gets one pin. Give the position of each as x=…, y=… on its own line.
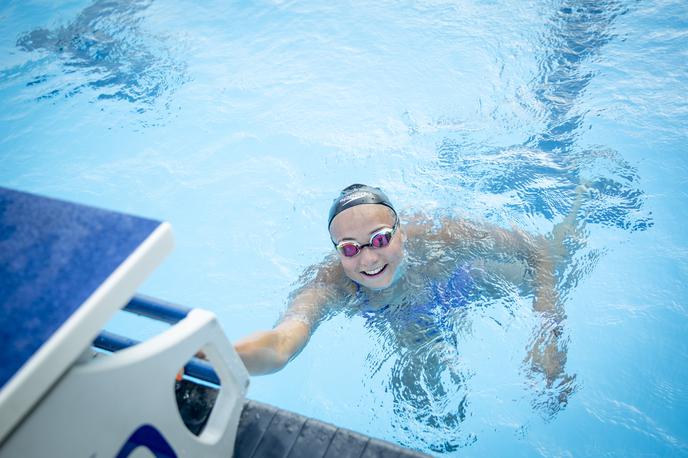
x=238, y=122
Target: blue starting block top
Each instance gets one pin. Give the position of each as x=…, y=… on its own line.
x=64, y=270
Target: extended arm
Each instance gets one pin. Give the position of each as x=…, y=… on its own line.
x=546, y=355
x=265, y=352
x=483, y=240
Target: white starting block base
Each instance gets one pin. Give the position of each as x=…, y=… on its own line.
x=124, y=404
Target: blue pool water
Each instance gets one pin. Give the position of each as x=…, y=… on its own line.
x=238, y=122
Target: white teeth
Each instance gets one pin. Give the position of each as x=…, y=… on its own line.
x=373, y=272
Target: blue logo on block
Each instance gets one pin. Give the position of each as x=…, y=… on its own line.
x=149, y=437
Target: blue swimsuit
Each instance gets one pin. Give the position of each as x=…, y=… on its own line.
x=432, y=315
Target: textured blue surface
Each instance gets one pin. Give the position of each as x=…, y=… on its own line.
x=53, y=256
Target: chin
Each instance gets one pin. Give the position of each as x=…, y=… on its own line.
x=377, y=283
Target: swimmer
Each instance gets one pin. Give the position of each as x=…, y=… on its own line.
x=381, y=260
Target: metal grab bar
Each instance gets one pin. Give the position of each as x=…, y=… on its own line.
x=166, y=312
x=156, y=309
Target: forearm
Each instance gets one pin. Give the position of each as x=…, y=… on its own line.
x=260, y=353
x=545, y=293
x=265, y=352
x=546, y=355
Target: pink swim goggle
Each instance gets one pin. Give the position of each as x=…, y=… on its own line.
x=379, y=239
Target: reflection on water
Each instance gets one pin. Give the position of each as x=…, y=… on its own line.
x=105, y=49
x=579, y=29
x=539, y=178
x=431, y=400
x=419, y=363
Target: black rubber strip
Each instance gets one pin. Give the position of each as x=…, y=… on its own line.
x=313, y=440
x=347, y=444
x=254, y=421
x=267, y=432
x=280, y=435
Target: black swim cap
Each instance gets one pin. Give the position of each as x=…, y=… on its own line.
x=358, y=194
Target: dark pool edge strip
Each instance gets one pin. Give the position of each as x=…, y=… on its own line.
x=280, y=437
x=298, y=434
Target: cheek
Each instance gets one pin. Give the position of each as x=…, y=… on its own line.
x=396, y=251
x=348, y=264
x=395, y=259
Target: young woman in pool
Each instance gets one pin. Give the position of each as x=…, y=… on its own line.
x=383, y=266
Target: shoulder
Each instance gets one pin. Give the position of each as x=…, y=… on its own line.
x=442, y=228
x=329, y=276
x=321, y=285
x=416, y=225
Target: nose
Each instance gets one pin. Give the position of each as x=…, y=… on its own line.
x=368, y=257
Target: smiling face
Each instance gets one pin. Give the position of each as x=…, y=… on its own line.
x=372, y=267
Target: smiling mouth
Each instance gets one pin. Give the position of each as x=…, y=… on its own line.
x=374, y=273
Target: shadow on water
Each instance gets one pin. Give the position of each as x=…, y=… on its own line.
x=105, y=49
x=538, y=178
